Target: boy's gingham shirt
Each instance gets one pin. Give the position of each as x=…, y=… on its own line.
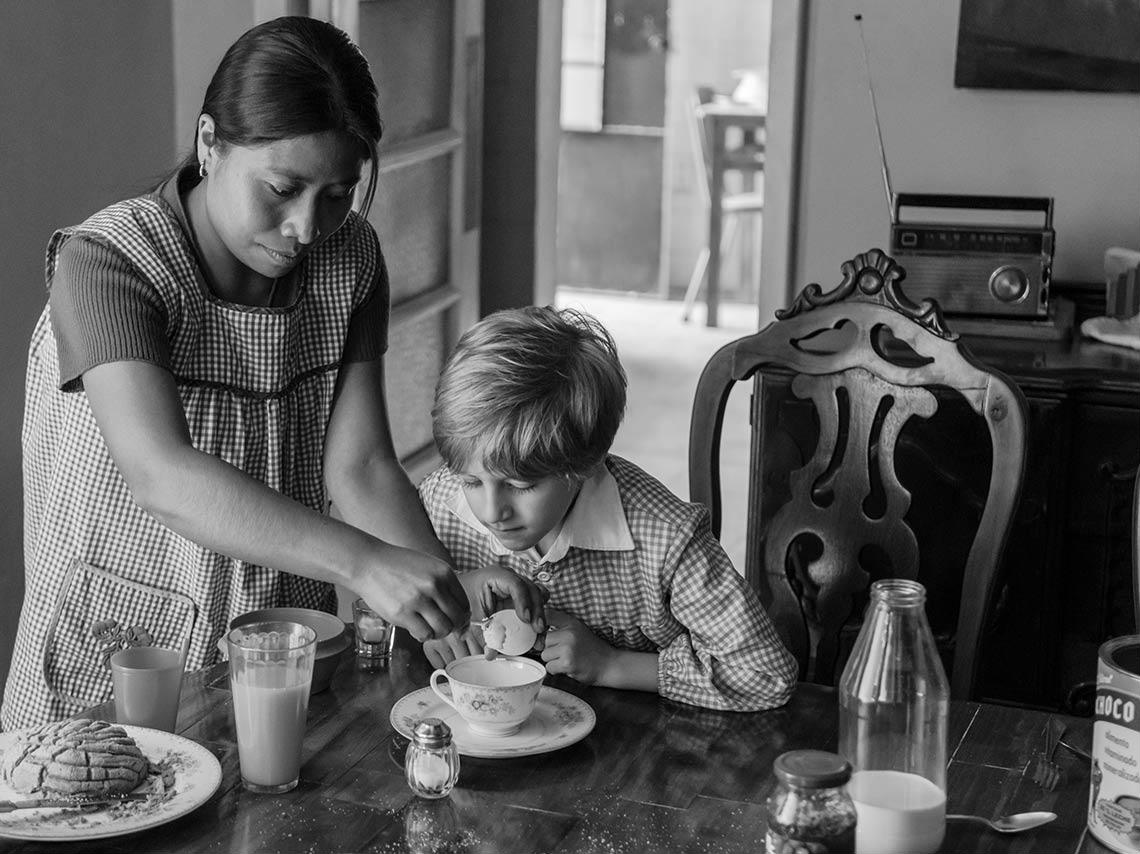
x=642, y=569
x=257, y=387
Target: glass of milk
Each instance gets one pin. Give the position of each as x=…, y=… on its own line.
x=271, y=670
x=893, y=710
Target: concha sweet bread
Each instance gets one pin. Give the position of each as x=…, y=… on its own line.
x=75, y=757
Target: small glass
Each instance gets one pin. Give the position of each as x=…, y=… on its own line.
x=375, y=636
x=810, y=809
x=431, y=763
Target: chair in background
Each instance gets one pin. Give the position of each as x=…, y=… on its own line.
x=734, y=204
x=880, y=448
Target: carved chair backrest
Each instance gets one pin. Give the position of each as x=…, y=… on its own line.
x=862, y=370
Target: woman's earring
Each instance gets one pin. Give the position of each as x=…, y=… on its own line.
x=202, y=169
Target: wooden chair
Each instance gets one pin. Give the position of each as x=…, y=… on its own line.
x=847, y=385
x=735, y=204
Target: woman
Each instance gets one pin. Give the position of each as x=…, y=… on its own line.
x=207, y=377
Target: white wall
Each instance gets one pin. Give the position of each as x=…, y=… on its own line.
x=203, y=30
x=1081, y=148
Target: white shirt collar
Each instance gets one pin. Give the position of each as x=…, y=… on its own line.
x=596, y=521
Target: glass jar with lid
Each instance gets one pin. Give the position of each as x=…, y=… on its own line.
x=431, y=764
x=810, y=811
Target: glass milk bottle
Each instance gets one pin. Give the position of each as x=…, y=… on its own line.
x=893, y=706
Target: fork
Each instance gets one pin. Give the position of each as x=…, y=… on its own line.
x=82, y=802
x=1041, y=768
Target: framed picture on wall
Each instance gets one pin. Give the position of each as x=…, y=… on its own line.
x=1080, y=45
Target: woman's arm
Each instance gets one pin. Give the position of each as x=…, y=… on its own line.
x=214, y=504
x=369, y=488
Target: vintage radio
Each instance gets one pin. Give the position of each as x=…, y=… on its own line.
x=978, y=256
x=975, y=255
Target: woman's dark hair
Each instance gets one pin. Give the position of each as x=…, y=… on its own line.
x=293, y=76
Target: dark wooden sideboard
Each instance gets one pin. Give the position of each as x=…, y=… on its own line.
x=1066, y=583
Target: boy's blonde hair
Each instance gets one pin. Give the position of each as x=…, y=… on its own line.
x=540, y=391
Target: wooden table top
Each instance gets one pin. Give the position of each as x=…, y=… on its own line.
x=653, y=775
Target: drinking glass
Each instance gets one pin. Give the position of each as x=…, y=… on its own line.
x=893, y=709
x=271, y=670
x=147, y=682
x=374, y=634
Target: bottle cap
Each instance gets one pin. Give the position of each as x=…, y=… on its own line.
x=812, y=769
x=431, y=732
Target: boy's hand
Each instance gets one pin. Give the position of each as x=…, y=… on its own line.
x=455, y=645
x=571, y=648
x=498, y=587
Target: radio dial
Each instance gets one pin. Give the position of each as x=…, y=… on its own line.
x=1009, y=284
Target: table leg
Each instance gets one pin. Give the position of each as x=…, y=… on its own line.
x=716, y=193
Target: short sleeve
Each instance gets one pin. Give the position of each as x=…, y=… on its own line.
x=102, y=310
x=367, y=337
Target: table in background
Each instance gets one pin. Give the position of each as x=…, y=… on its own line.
x=653, y=776
x=721, y=115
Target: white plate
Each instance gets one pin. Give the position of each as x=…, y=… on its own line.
x=197, y=775
x=559, y=720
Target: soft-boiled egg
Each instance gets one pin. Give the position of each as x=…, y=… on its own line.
x=505, y=632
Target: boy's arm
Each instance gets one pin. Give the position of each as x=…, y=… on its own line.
x=730, y=656
x=636, y=671
x=571, y=648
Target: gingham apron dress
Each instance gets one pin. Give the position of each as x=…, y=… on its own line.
x=257, y=387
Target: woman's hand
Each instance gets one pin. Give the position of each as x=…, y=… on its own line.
x=417, y=591
x=458, y=644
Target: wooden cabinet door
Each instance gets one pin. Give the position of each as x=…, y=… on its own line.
x=427, y=59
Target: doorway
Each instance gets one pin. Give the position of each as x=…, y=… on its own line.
x=632, y=221
x=631, y=217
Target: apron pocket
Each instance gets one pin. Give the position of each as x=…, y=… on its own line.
x=99, y=613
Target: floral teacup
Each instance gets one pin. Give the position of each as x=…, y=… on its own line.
x=496, y=697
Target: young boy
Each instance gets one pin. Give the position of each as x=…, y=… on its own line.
x=641, y=595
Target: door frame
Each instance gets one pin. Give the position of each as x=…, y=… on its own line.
x=783, y=156
x=782, y=169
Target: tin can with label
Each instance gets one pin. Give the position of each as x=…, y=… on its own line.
x=1114, y=786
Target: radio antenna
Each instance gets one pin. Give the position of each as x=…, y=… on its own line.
x=878, y=127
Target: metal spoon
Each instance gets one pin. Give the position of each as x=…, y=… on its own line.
x=1010, y=823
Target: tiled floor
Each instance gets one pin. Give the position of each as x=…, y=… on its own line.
x=663, y=357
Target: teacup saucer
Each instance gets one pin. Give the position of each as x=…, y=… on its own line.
x=558, y=720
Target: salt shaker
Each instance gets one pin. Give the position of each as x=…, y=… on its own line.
x=431, y=764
